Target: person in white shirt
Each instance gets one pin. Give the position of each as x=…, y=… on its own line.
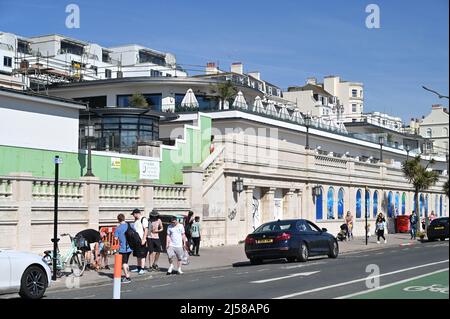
x=175, y=243
x=141, y=227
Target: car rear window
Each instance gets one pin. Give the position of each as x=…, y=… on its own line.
x=275, y=226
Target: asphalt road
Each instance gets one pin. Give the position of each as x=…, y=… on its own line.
x=318, y=278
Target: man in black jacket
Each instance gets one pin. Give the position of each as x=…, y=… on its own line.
x=93, y=239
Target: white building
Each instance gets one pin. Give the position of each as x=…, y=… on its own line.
x=435, y=127
x=38, y=121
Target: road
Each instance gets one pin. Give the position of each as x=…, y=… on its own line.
x=420, y=265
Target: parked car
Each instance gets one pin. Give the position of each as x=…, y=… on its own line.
x=293, y=239
x=24, y=273
x=438, y=229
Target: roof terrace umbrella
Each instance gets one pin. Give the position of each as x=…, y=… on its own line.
x=297, y=116
x=190, y=101
x=284, y=113
x=342, y=127
x=271, y=110
x=258, y=107
x=239, y=101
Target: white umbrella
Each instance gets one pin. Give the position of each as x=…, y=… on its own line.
x=239, y=101
x=342, y=127
x=271, y=110
x=284, y=114
x=189, y=100
x=297, y=116
x=258, y=107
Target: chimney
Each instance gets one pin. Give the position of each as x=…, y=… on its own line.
x=311, y=81
x=237, y=67
x=436, y=106
x=256, y=75
x=211, y=68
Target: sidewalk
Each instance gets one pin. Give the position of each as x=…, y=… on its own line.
x=223, y=256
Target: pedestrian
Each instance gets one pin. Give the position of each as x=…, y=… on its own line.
x=349, y=223
x=105, y=249
x=196, y=237
x=92, y=239
x=188, y=221
x=153, y=240
x=141, y=227
x=175, y=243
x=124, y=249
x=380, y=225
x=413, y=225
x=432, y=216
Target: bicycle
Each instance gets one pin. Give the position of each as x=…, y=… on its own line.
x=74, y=258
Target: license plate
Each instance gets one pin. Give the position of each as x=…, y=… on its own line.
x=438, y=228
x=264, y=241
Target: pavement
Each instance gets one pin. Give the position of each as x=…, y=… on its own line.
x=221, y=257
x=383, y=271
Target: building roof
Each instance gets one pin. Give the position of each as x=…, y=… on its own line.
x=310, y=87
x=68, y=102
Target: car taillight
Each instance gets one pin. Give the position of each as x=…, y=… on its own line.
x=283, y=236
x=249, y=240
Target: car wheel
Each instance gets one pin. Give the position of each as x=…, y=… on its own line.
x=255, y=261
x=334, y=250
x=303, y=253
x=291, y=259
x=33, y=283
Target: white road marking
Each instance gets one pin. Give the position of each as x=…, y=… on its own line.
x=391, y=284
x=84, y=297
x=303, y=265
x=357, y=280
x=156, y=286
x=284, y=277
x=214, y=277
x=264, y=269
x=379, y=253
x=242, y=273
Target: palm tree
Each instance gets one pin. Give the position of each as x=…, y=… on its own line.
x=226, y=91
x=420, y=177
x=138, y=100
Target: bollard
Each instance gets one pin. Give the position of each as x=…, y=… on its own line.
x=117, y=275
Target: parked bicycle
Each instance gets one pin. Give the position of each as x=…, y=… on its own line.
x=73, y=259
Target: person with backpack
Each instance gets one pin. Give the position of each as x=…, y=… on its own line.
x=188, y=221
x=195, y=232
x=153, y=240
x=124, y=249
x=413, y=225
x=140, y=252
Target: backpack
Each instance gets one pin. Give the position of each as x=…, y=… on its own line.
x=133, y=238
x=81, y=243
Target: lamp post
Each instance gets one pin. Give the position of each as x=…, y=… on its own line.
x=446, y=159
x=89, y=134
x=381, y=142
x=307, y=124
x=238, y=185
x=407, y=152
x=365, y=211
x=55, y=239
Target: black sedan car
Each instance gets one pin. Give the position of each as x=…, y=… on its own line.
x=293, y=239
x=438, y=229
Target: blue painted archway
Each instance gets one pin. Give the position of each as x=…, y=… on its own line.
x=341, y=203
x=375, y=204
x=404, y=204
x=330, y=203
x=319, y=205
x=390, y=204
x=358, y=203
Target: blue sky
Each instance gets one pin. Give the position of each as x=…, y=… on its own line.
x=286, y=41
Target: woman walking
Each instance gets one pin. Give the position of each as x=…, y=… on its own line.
x=380, y=226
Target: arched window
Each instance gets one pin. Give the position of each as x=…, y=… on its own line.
x=330, y=203
x=367, y=201
x=319, y=205
x=421, y=204
x=445, y=132
x=404, y=204
x=341, y=203
x=390, y=205
x=397, y=204
x=375, y=204
x=429, y=132
x=426, y=205
x=358, y=204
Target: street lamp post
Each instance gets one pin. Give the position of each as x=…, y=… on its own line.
x=381, y=142
x=89, y=134
x=55, y=239
x=446, y=159
x=365, y=197
x=407, y=152
x=238, y=185
x=307, y=124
